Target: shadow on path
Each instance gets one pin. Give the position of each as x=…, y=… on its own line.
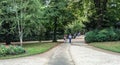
x=61, y=56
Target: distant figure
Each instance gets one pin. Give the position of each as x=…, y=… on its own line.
x=70, y=37
x=79, y=34
x=65, y=38
x=74, y=36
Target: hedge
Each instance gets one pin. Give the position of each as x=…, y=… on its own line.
x=109, y=34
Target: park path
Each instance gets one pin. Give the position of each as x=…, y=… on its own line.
x=61, y=56
x=40, y=59
x=83, y=54
x=77, y=53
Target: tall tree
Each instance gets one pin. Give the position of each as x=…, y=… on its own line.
x=19, y=15
x=58, y=15
x=100, y=7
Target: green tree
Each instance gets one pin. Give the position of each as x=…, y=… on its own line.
x=20, y=17
x=58, y=16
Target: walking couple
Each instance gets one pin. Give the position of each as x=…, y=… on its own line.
x=69, y=38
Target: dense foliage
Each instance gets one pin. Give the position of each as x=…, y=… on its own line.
x=11, y=50
x=103, y=23
x=105, y=14
x=50, y=19
x=109, y=34
x=33, y=19
x=20, y=18
x=57, y=17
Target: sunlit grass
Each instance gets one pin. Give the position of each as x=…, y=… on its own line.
x=111, y=46
x=33, y=49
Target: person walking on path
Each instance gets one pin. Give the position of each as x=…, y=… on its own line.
x=70, y=38
x=79, y=34
x=65, y=38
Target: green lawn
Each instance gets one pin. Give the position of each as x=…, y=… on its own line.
x=32, y=49
x=111, y=46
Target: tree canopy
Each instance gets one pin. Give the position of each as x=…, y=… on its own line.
x=21, y=19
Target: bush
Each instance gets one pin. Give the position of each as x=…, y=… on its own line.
x=109, y=34
x=101, y=37
x=90, y=36
x=3, y=50
x=11, y=50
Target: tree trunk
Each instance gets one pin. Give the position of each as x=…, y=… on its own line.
x=7, y=39
x=21, y=38
x=55, y=30
x=100, y=6
x=7, y=27
x=98, y=12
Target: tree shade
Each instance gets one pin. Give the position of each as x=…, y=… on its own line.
x=25, y=18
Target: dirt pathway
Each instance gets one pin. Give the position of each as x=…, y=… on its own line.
x=76, y=53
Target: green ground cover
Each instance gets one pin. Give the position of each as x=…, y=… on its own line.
x=33, y=49
x=111, y=46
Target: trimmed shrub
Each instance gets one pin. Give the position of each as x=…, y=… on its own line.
x=11, y=50
x=90, y=36
x=103, y=35
x=3, y=50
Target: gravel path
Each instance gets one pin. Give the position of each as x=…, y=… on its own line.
x=57, y=56
x=65, y=54
x=40, y=59
x=86, y=56
x=24, y=61
x=61, y=56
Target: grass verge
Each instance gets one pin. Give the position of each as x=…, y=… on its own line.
x=110, y=46
x=33, y=49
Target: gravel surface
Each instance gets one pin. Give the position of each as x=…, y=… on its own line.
x=66, y=54
x=61, y=56
x=40, y=59
x=87, y=56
